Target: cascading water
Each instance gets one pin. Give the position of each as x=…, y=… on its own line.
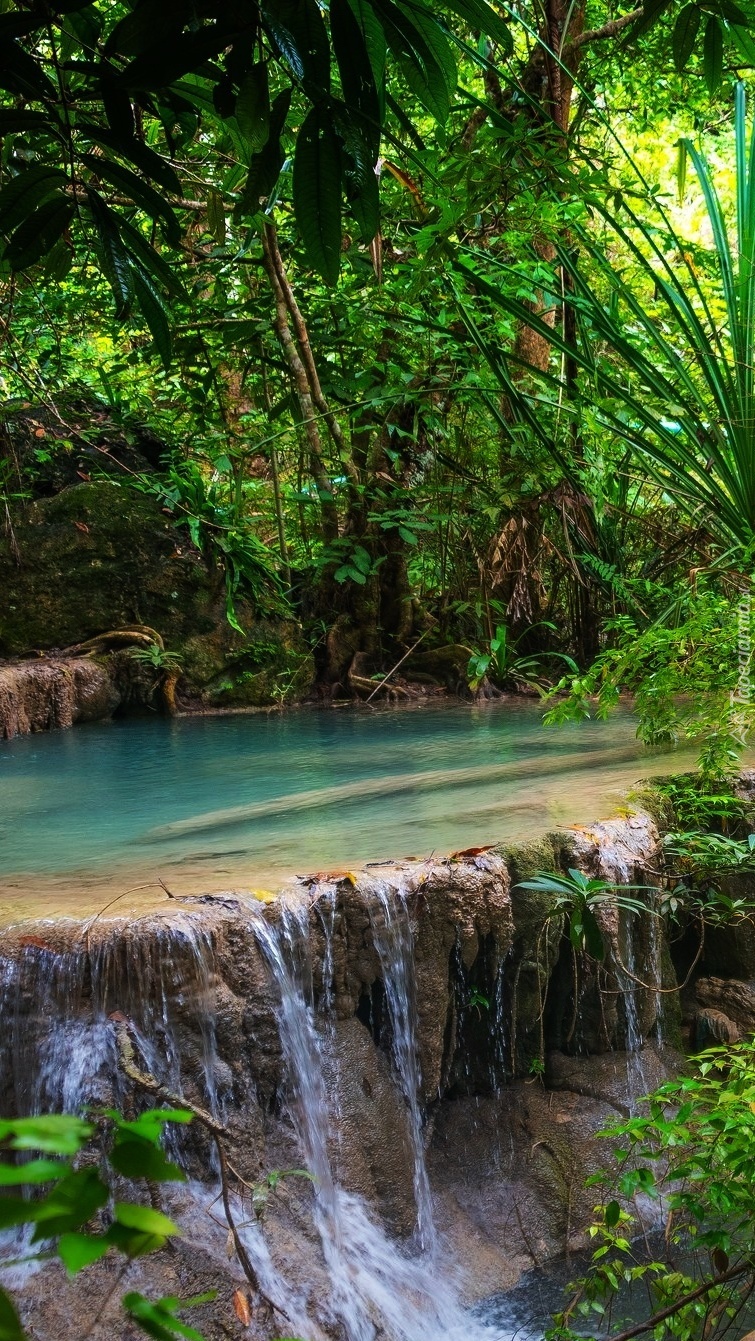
x=378, y=1287
x=655, y=948
x=392, y=936
x=628, y=978
x=59, y=1053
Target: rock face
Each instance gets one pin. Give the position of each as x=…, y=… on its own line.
x=371, y=1024
x=100, y=556
x=41, y=695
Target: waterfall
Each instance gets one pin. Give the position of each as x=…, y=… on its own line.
x=377, y=1286
x=59, y=1052
x=655, y=947
x=627, y=977
x=392, y=934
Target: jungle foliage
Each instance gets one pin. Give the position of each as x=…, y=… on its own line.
x=449, y=366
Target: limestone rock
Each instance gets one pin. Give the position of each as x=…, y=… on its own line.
x=42, y=694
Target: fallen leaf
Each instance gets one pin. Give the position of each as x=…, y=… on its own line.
x=82, y=526
x=36, y=941
x=472, y=851
x=241, y=1308
x=230, y=1245
x=264, y=895
x=39, y=433
x=83, y=476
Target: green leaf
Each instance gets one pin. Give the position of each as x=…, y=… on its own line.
x=317, y=193
x=139, y=1158
x=713, y=54
x=56, y=1134
x=148, y=162
x=145, y=1219
x=216, y=216
x=25, y=192
x=684, y=34
x=298, y=30
x=112, y=255
x=15, y=1211
x=36, y=1171
x=155, y=314
x=22, y=73
x=38, y=234
x=70, y=1204
x=355, y=68
x=16, y=121
x=142, y=194
x=265, y=167
x=423, y=54
x=252, y=110
x=593, y=937
x=159, y=1319
x=10, y=1324
x=613, y=1214
x=745, y=43
x=80, y=1250
x=150, y=260
x=372, y=38
x=478, y=14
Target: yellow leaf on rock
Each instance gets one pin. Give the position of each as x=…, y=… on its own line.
x=264, y=895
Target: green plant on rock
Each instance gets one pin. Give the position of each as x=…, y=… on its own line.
x=578, y=896
x=157, y=658
x=692, y=1151
x=56, y=1181
x=503, y=662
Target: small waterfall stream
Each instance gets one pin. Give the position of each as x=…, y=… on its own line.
x=378, y=1285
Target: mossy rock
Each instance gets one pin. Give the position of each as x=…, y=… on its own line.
x=273, y=666
x=99, y=556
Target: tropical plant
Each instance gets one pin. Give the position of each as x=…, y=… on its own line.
x=578, y=896
x=503, y=662
x=156, y=657
x=692, y=1152
x=56, y=1182
x=679, y=387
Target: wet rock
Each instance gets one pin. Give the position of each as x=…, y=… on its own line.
x=613, y=1078
x=724, y=1003
x=372, y=1152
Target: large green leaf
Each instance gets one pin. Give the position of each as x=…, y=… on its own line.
x=317, y=192
x=373, y=37
x=112, y=255
x=142, y=194
x=298, y=30
x=423, y=55
x=156, y=315
x=148, y=162
x=713, y=54
x=265, y=167
x=38, y=234
x=252, y=108
x=25, y=192
x=163, y=274
x=21, y=73
x=684, y=34
x=356, y=73
x=10, y=1323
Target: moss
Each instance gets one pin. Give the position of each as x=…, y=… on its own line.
x=99, y=555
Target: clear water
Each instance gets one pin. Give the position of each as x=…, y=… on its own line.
x=247, y=800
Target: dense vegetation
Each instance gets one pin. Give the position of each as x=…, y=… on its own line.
x=440, y=337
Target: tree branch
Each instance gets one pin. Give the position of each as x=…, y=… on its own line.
x=610, y=29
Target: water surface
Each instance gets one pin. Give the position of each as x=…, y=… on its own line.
x=241, y=801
